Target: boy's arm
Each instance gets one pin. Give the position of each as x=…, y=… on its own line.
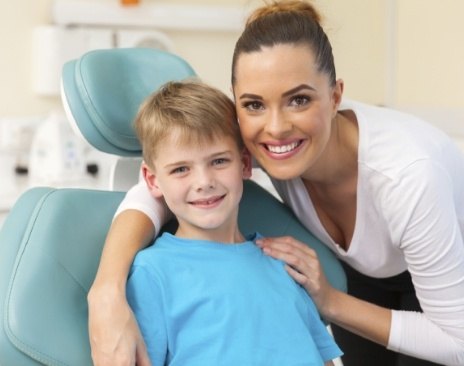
x=145, y=297
x=114, y=335
x=329, y=363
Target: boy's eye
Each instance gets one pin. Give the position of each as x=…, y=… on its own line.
x=220, y=161
x=179, y=170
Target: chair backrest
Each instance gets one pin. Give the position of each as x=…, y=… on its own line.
x=51, y=242
x=102, y=91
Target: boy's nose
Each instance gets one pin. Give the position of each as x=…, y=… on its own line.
x=205, y=180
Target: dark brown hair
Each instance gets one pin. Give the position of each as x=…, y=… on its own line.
x=294, y=22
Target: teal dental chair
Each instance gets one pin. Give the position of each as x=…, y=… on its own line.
x=51, y=242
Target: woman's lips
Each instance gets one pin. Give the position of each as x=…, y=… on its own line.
x=282, y=151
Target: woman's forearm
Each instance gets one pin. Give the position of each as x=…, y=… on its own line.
x=360, y=317
x=131, y=231
x=113, y=330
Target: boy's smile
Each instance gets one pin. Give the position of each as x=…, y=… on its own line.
x=202, y=185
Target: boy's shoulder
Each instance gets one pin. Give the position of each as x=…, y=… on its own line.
x=156, y=252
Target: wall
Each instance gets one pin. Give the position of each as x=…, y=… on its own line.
x=17, y=19
x=430, y=54
x=391, y=52
x=357, y=30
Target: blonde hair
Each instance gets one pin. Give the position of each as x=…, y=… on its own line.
x=195, y=112
x=295, y=22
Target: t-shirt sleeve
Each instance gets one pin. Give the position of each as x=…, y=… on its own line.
x=324, y=341
x=144, y=297
x=424, y=222
x=139, y=198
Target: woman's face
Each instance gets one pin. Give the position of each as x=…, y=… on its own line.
x=285, y=107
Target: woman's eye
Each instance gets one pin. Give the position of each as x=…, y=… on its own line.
x=299, y=100
x=253, y=106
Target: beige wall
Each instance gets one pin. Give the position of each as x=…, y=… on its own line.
x=430, y=56
x=357, y=30
x=406, y=52
x=17, y=19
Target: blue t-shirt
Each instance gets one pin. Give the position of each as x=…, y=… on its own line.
x=205, y=303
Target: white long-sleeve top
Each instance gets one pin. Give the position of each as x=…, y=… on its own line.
x=410, y=216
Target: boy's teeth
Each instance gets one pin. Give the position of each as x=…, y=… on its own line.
x=280, y=149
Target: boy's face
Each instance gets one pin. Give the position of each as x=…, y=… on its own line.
x=202, y=185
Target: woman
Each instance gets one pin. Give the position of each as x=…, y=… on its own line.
x=382, y=189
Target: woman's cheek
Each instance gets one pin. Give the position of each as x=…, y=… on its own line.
x=247, y=130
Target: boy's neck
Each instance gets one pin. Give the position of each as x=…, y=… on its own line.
x=222, y=235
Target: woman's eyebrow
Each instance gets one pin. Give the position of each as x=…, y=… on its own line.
x=250, y=96
x=297, y=89
x=285, y=94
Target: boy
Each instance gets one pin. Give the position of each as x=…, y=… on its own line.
x=207, y=295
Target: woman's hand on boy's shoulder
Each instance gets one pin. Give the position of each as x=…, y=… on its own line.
x=302, y=263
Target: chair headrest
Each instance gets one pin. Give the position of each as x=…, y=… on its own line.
x=103, y=89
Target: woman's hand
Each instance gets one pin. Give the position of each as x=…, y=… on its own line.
x=115, y=338
x=365, y=319
x=303, y=265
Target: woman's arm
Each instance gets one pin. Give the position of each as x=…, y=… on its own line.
x=421, y=214
x=425, y=212
x=114, y=335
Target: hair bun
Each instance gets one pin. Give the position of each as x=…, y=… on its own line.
x=275, y=7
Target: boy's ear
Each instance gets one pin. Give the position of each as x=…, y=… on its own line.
x=152, y=183
x=247, y=163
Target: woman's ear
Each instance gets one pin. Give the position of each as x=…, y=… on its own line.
x=247, y=163
x=337, y=94
x=152, y=183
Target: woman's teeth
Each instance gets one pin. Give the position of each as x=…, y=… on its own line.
x=281, y=149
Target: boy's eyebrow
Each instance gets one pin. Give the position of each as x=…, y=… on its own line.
x=225, y=152
x=184, y=162
x=177, y=163
x=285, y=94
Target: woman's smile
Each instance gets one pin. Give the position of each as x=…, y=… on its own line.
x=279, y=150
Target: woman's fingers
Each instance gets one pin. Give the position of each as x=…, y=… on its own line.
x=114, y=335
x=142, y=358
x=296, y=254
x=285, y=244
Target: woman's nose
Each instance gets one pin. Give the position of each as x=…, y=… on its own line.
x=278, y=125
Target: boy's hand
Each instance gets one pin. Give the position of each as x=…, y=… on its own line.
x=115, y=338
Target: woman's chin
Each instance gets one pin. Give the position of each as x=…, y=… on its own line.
x=281, y=171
